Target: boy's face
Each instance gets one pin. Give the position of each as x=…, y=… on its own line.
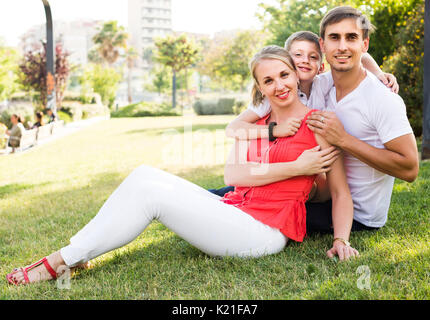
x=306, y=58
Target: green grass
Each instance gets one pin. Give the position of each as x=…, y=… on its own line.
x=49, y=193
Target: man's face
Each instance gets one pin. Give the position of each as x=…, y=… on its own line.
x=343, y=45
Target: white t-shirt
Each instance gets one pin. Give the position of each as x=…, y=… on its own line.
x=317, y=99
x=375, y=115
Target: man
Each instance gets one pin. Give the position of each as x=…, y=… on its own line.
x=366, y=121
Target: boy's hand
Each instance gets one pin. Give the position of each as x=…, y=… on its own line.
x=287, y=128
x=389, y=80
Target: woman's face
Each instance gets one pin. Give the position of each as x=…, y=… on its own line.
x=14, y=119
x=277, y=81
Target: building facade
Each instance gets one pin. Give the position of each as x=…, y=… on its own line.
x=148, y=20
x=76, y=37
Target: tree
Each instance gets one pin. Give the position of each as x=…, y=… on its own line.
x=102, y=80
x=161, y=79
x=288, y=16
x=389, y=17
x=178, y=53
x=109, y=40
x=33, y=73
x=9, y=59
x=130, y=56
x=227, y=61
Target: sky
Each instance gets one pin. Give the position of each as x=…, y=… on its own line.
x=199, y=16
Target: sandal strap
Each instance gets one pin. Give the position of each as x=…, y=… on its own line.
x=43, y=261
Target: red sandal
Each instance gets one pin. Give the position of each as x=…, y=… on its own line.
x=43, y=261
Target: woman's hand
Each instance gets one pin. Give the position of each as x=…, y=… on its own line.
x=342, y=250
x=287, y=128
x=313, y=161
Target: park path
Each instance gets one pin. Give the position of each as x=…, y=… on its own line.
x=66, y=130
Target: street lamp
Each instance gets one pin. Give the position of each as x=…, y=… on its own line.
x=50, y=58
x=425, y=149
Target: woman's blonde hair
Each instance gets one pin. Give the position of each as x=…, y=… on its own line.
x=269, y=52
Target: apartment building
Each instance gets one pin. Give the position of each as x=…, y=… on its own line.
x=148, y=20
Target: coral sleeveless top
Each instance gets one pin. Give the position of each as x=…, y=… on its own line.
x=280, y=205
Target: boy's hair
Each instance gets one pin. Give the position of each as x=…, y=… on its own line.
x=304, y=36
x=338, y=14
x=269, y=52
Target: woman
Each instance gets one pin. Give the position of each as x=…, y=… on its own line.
x=15, y=133
x=237, y=225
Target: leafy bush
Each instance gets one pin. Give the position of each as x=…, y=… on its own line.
x=64, y=116
x=213, y=107
x=102, y=80
x=407, y=64
x=240, y=106
x=144, y=109
x=3, y=138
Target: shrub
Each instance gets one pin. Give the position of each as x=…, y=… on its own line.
x=144, y=109
x=64, y=116
x=213, y=107
x=3, y=138
x=240, y=106
x=407, y=64
x=102, y=80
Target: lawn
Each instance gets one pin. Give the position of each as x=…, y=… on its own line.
x=49, y=193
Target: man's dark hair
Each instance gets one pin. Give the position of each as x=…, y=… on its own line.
x=338, y=14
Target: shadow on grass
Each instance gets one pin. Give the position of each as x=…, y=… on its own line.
x=17, y=187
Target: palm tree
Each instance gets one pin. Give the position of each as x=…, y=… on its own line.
x=131, y=56
x=109, y=40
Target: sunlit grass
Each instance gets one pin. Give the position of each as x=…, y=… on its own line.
x=49, y=193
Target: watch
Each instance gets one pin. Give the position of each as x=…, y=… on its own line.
x=271, y=137
x=345, y=242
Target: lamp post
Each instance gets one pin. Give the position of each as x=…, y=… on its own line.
x=425, y=149
x=50, y=58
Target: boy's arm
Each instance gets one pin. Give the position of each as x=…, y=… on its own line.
x=387, y=78
x=244, y=127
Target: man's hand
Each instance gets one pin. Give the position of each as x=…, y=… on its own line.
x=313, y=161
x=287, y=128
x=328, y=126
x=343, y=251
x=389, y=80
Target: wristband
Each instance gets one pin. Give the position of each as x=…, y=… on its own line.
x=271, y=137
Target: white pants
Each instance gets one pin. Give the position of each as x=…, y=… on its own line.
x=193, y=213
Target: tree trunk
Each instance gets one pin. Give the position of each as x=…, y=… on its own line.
x=174, y=90
x=129, y=93
x=425, y=148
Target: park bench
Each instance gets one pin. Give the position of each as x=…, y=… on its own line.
x=31, y=137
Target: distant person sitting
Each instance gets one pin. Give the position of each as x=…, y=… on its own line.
x=52, y=116
x=16, y=132
x=39, y=120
